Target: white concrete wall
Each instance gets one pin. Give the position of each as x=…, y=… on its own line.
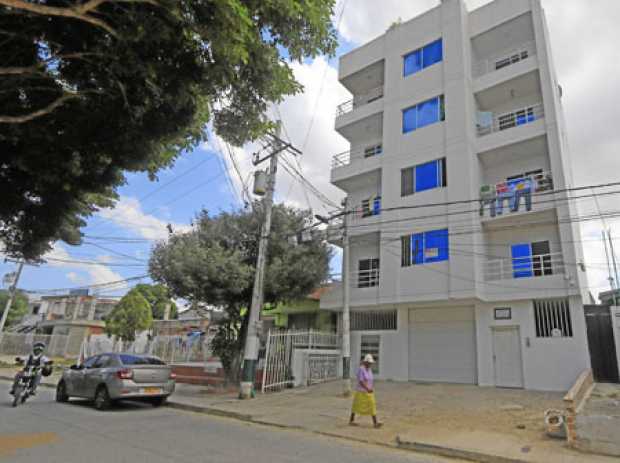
x=549, y=364
x=393, y=350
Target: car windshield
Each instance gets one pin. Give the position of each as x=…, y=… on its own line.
x=135, y=360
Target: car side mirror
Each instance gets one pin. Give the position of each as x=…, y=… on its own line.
x=76, y=367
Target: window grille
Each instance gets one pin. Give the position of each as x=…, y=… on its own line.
x=374, y=321
x=552, y=318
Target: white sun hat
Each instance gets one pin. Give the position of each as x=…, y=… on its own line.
x=369, y=359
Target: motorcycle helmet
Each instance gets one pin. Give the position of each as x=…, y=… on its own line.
x=38, y=348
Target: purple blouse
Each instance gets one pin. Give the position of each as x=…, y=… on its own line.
x=364, y=375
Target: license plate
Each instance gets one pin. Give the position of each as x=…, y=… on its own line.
x=151, y=390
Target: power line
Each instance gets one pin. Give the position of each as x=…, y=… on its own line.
x=113, y=251
x=97, y=285
x=318, y=97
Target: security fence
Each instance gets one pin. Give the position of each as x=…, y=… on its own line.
x=295, y=358
x=21, y=344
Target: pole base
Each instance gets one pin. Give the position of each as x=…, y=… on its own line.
x=346, y=387
x=246, y=391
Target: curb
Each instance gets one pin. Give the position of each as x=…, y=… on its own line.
x=453, y=452
x=212, y=411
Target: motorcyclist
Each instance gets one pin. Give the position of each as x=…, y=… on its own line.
x=35, y=359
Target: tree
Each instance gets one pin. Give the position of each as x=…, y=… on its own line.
x=157, y=296
x=214, y=264
x=131, y=314
x=92, y=89
x=19, y=307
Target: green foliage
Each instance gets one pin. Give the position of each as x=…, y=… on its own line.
x=157, y=296
x=131, y=314
x=19, y=307
x=127, y=88
x=214, y=264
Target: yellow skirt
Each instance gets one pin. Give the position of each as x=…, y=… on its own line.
x=364, y=403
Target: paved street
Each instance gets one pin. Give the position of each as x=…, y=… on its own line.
x=44, y=431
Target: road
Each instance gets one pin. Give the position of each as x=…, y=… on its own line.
x=43, y=431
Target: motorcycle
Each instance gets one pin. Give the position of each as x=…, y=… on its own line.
x=24, y=384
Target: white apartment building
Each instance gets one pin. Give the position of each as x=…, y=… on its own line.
x=447, y=108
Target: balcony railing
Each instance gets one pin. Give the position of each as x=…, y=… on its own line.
x=524, y=267
x=512, y=191
x=359, y=100
x=504, y=59
x=505, y=121
x=345, y=158
x=367, y=208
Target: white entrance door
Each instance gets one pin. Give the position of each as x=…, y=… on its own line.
x=507, y=357
x=442, y=345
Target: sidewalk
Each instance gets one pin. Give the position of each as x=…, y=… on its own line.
x=481, y=424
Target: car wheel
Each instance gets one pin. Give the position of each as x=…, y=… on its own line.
x=17, y=394
x=102, y=399
x=61, y=392
x=158, y=401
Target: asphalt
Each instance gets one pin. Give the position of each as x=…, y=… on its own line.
x=44, y=431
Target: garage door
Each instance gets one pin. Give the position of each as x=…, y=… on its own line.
x=442, y=345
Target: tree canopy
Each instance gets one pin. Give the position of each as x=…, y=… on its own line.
x=92, y=89
x=214, y=265
x=130, y=315
x=157, y=296
x=19, y=306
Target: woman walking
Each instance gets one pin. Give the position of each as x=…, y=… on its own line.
x=364, y=399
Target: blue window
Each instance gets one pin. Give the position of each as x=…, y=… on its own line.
x=412, y=62
x=423, y=57
x=436, y=246
x=423, y=177
x=423, y=114
x=425, y=248
x=409, y=120
x=432, y=53
x=428, y=113
x=521, y=260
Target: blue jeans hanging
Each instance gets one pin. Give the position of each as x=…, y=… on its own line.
x=527, y=195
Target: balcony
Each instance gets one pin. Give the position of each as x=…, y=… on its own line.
x=504, y=59
x=366, y=210
x=515, y=191
x=490, y=122
x=347, y=167
x=524, y=267
x=359, y=100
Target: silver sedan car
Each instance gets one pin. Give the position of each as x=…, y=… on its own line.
x=106, y=378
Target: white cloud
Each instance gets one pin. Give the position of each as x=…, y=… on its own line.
x=96, y=274
x=128, y=214
x=322, y=143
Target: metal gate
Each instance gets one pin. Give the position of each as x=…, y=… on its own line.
x=601, y=343
x=321, y=358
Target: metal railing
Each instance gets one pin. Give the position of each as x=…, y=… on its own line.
x=21, y=344
x=524, y=267
x=540, y=181
x=359, y=100
x=508, y=120
x=347, y=157
x=504, y=59
x=279, y=360
x=365, y=278
x=370, y=207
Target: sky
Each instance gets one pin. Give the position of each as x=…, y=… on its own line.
x=584, y=43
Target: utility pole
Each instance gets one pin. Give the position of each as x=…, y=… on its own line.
x=12, y=289
x=250, y=357
x=346, y=314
